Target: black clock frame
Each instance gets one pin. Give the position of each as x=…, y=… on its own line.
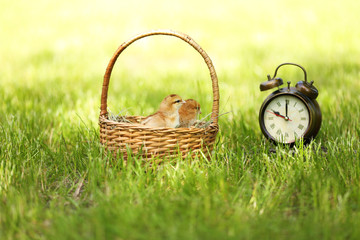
x=315, y=117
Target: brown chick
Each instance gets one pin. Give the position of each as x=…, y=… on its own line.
x=168, y=113
x=189, y=112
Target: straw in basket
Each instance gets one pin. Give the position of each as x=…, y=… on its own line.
x=131, y=136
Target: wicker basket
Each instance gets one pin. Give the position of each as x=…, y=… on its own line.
x=122, y=137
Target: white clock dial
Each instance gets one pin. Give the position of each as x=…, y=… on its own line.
x=286, y=118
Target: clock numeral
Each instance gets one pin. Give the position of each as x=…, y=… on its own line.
x=296, y=135
x=295, y=104
x=272, y=126
x=270, y=118
x=300, y=126
x=279, y=104
x=303, y=118
x=278, y=132
x=301, y=110
x=286, y=135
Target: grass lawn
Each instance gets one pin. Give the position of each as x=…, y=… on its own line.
x=56, y=182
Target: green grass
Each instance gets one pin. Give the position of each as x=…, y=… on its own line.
x=56, y=181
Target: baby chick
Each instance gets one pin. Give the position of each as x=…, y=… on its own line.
x=168, y=113
x=189, y=112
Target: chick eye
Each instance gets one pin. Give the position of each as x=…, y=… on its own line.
x=177, y=101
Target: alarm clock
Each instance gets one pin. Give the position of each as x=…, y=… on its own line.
x=290, y=113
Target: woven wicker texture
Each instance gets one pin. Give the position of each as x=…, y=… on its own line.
x=120, y=137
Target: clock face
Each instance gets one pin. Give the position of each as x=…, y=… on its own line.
x=286, y=118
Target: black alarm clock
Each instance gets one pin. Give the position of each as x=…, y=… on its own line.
x=290, y=113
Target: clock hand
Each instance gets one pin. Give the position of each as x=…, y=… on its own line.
x=286, y=110
x=278, y=114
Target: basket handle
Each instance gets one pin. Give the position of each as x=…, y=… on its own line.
x=186, y=38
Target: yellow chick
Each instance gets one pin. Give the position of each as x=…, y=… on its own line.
x=168, y=113
x=189, y=112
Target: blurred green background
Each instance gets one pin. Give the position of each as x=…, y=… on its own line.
x=54, y=54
